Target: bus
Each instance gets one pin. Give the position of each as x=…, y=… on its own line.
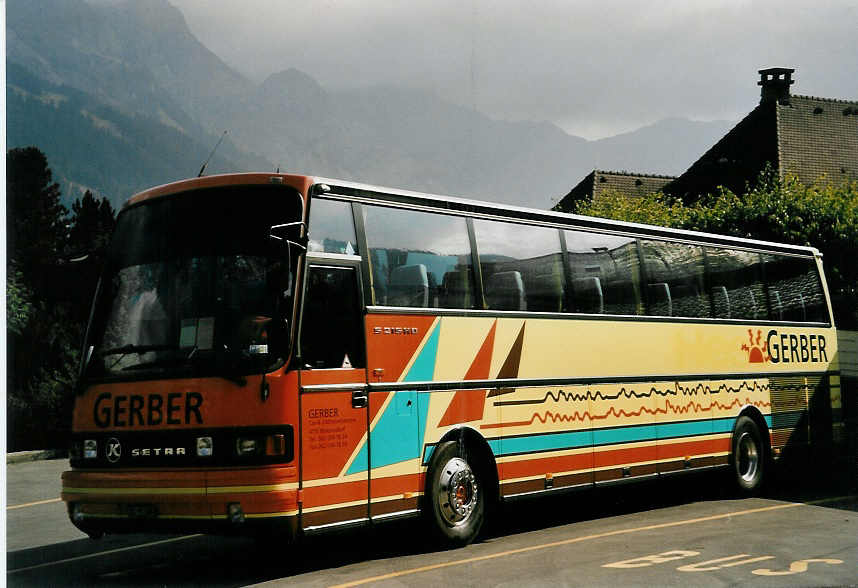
x=305, y=354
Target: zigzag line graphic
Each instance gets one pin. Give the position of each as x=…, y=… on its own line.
x=612, y=411
x=629, y=393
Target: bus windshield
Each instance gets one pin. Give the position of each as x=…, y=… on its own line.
x=195, y=286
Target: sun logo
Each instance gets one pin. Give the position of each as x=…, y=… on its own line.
x=756, y=353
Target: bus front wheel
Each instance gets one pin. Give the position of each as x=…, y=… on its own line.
x=750, y=458
x=455, y=496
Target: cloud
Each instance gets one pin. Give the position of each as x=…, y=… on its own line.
x=592, y=68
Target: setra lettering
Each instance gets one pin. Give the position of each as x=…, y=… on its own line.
x=153, y=410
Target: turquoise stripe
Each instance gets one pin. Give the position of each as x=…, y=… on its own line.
x=396, y=426
x=423, y=367
x=624, y=435
x=597, y=437
x=423, y=370
x=668, y=430
x=548, y=442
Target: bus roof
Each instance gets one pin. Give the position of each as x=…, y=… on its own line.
x=300, y=183
x=478, y=208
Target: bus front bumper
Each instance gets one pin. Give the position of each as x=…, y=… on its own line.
x=117, y=501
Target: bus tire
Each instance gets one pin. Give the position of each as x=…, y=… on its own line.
x=749, y=458
x=455, y=496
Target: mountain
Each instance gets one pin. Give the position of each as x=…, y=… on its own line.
x=680, y=143
x=109, y=94
x=121, y=95
x=93, y=146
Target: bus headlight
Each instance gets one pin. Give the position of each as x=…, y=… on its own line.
x=205, y=447
x=246, y=446
x=90, y=449
x=273, y=445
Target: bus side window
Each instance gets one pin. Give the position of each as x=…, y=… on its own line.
x=505, y=291
x=521, y=266
x=675, y=275
x=332, y=228
x=587, y=293
x=604, y=273
x=721, y=302
x=660, y=302
x=795, y=293
x=332, y=326
x=736, y=277
x=409, y=286
x=418, y=259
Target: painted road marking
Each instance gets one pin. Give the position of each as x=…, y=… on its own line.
x=647, y=560
x=100, y=553
x=706, y=566
x=796, y=567
x=37, y=503
x=572, y=540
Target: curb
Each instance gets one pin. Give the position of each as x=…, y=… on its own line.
x=25, y=456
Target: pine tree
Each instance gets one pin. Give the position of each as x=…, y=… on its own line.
x=36, y=220
x=91, y=226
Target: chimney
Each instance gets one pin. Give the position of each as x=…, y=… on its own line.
x=775, y=83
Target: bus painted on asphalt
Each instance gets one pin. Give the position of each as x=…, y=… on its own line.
x=309, y=354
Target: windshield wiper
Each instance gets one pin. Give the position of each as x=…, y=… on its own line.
x=131, y=348
x=225, y=368
x=225, y=361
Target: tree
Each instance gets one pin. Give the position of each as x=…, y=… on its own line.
x=92, y=223
x=36, y=220
x=47, y=297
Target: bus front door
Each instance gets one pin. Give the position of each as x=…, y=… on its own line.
x=333, y=400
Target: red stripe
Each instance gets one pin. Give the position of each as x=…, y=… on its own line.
x=335, y=493
x=692, y=448
x=530, y=467
x=612, y=457
x=397, y=485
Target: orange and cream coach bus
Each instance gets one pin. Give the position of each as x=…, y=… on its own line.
x=272, y=348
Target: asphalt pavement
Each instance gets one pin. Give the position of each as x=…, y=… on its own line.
x=688, y=531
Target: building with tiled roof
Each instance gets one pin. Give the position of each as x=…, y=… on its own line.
x=600, y=182
x=812, y=138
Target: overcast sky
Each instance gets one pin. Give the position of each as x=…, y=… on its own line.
x=595, y=68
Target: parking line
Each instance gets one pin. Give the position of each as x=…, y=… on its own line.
x=581, y=539
x=37, y=503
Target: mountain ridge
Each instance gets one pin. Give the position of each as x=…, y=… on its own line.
x=139, y=60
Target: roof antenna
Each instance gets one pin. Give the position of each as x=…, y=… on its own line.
x=202, y=169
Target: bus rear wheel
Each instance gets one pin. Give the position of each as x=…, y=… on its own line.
x=455, y=496
x=750, y=457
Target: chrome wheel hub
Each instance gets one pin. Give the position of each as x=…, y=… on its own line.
x=748, y=458
x=457, y=494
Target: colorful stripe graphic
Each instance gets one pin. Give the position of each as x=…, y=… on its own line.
x=390, y=429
